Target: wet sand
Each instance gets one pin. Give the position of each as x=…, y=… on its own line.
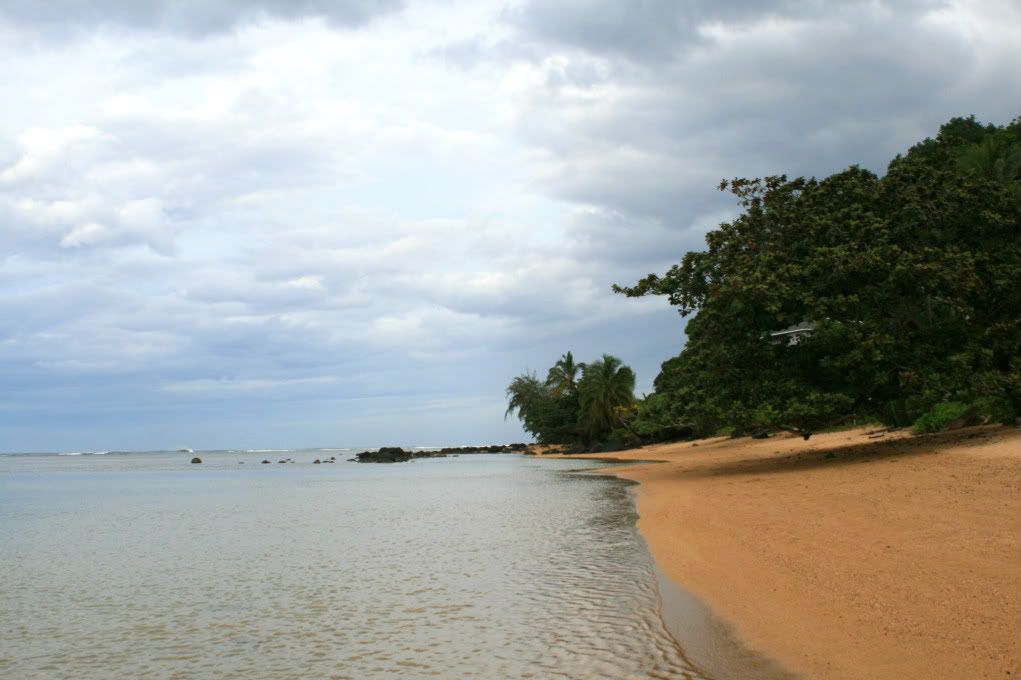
x=854, y=554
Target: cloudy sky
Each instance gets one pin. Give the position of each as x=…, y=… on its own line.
x=277, y=223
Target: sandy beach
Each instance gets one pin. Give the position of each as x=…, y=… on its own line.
x=853, y=554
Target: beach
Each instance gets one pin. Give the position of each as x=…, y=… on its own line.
x=860, y=553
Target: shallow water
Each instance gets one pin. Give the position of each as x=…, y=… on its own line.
x=487, y=566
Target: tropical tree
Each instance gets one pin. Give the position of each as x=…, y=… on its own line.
x=526, y=395
x=551, y=418
x=908, y=283
x=606, y=391
x=562, y=377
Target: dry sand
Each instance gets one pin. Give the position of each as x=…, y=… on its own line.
x=853, y=554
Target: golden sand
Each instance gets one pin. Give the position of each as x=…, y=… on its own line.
x=854, y=554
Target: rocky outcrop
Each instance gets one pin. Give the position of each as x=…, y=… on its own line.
x=387, y=454
x=496, y=448
x=395, y=454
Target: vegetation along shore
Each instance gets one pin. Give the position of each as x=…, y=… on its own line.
x=843, y=483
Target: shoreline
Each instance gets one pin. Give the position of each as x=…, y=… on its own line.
x=852, y=554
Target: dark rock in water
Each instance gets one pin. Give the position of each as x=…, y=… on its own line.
x=317, y=462
x=265, y=462
x=196, y=460
x=281, y=461
x=387, y=454
x=494, y=448
x=352, y=460
x=241, y=462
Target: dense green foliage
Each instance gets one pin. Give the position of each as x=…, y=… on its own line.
x=566, y=409
x=906, y=287
x=939, y=416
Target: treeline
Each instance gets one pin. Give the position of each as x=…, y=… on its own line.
x=855, y=297
x=848, y=299
x=577, y=403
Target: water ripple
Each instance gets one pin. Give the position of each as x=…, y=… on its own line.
x=485, y=567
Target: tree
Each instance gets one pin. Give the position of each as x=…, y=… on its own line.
x=562, y=377
x=525, y=395
x=910, y=282
x=565, y=410
x=551, y=417
x=606, y=390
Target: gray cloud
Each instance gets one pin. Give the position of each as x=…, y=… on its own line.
x=636, y=111
x=658, y=30
x=287, y=234
x=191, y=17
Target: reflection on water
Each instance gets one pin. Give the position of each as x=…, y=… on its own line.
x=478, y=566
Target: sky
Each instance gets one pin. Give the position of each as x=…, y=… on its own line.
x=282, y=223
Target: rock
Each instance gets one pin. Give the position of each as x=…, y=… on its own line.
x=196, y=460
x=281, y=461
x=387, y=454
x=317, y=462
x=241, y=462
x=265, y=462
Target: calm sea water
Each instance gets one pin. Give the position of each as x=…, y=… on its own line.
x=483, y=566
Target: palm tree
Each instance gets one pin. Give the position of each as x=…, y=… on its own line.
x=523, y=394
x=607, y=389
x=562, y=378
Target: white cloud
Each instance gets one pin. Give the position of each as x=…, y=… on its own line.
x=342, y=205
x=211, y=386
x=42, y=148
x=85, y=234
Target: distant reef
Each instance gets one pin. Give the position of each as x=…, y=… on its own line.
x=395, y=454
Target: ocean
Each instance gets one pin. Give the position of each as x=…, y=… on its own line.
x=478, y=566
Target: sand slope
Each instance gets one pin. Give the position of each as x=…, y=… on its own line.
x=850, y=555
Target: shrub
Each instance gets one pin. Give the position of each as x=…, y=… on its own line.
x=996, y=410
x=939, y=416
